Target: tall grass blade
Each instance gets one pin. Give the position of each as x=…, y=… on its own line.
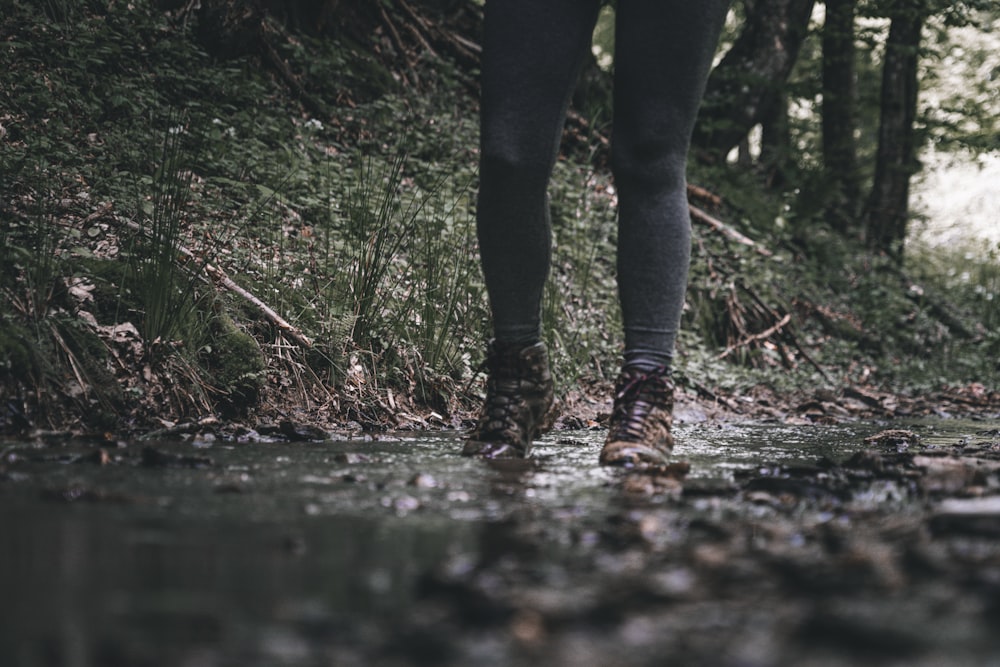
x=165, y=290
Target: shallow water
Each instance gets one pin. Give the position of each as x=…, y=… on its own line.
x=399, y=551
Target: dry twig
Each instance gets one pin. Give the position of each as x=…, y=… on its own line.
x=763, y=335
x=220, y=278
x=717, y=225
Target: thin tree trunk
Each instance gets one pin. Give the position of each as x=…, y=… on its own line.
x=887, y=210
x=743, y=90
x=839, y=115
x=776, y=143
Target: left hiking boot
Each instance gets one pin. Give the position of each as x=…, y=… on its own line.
x=641, y=420
x=519, y=402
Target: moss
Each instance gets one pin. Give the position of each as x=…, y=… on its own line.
x=235, y=365
x=17, y=359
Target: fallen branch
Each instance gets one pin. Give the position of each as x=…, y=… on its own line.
x=394, y=35
x=707, y=393
x=221, y=279
x=422, y=22
x=791, y=336
x=937, y=309
x=180, y=429
x=763, y=335
x=701, y=194
x=727, y=231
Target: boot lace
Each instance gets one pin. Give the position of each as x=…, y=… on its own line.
x=637, y=394
x=498, y=419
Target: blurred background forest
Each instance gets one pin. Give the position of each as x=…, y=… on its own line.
x=262, y=210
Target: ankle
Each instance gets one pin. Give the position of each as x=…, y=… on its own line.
x=647, y=361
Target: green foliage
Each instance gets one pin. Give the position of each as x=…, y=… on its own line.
x=960, y=106
x=17, y=353
x=581, y=318
x=449, y=295
x=378, y=225
x=967, y=280
x=43, y=345
x=165, y=290
x=357, y=225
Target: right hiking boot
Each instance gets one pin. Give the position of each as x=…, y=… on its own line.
x=519, y=402
x=639, y=431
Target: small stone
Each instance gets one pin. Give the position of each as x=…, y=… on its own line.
x=423, y=481
x=893, y=439
x=980, y=516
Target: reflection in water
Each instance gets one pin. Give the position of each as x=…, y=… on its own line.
x=89, y=586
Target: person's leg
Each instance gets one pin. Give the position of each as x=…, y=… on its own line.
x=663, y=54
x=532, y=51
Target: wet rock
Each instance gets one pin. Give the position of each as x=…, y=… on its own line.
x=423, y=481
x=866, y=397
x=869, y=460
x=405, y=504
x=29, y=456
x=157, y=458
x=784, y=485
x=679, y=583
x=652, y=485
x=513, y=467
x=296, y=432
x=980, y=516
x=289, y=431
x=99, y=457
x=709, y=488
x=351, y=458
x=81, y=494
x=862, y=631
x=471, y=603
x=666, y=480
x=528, y=627
x=873, y=564
x=950, y=474
x=893, y=439
x=202, y=427
x=869, y=466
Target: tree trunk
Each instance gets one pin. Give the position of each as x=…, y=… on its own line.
x=776, y=143
x=840, y=161
x=887, y=210
x=743, y=90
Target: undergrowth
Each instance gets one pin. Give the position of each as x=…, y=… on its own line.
x=133, y=161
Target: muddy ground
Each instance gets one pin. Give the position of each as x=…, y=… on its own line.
x=767, y=543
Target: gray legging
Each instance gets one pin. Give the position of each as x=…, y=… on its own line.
x=532, y=54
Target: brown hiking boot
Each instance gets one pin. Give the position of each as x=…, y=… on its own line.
x=639, y=431
x=518, y=406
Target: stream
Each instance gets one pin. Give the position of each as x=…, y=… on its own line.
x=848, y=544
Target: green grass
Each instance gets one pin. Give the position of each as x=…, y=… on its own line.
x=165, y=288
